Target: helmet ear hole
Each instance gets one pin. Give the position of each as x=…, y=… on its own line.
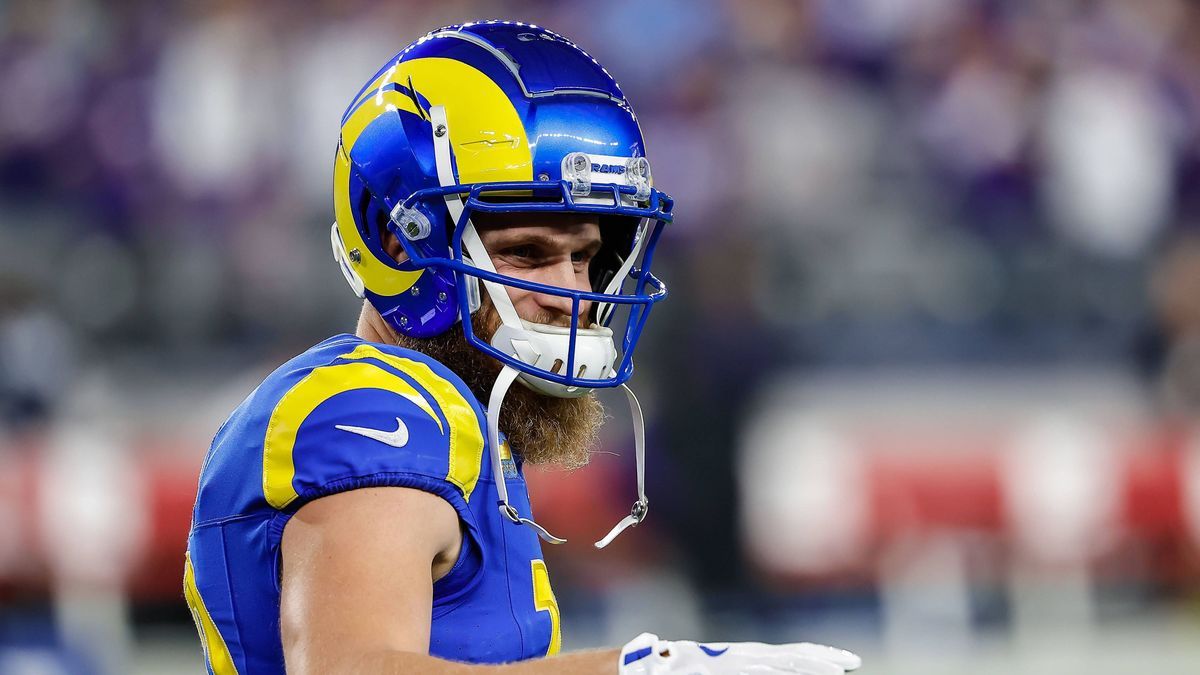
x=364, y=201
x=379, y=221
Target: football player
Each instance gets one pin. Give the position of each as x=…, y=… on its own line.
x=364, y=510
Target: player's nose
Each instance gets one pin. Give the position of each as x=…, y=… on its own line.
x=562, y=275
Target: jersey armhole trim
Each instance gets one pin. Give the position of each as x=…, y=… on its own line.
x=214, y=522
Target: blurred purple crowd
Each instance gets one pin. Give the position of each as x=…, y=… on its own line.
x=861, y=185
x=859, y=181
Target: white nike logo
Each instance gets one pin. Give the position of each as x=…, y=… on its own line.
x=396, y=439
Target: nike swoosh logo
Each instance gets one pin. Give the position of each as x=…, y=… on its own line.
x=713, y=652
x=396, y=439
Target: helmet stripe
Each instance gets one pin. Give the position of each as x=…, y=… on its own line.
x=377, y=276
x=488, y=137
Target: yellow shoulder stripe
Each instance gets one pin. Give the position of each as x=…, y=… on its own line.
x=215, y=650
x=466, y=435
x=317, y=387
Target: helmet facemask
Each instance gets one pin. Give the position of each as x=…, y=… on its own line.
x=563, y=361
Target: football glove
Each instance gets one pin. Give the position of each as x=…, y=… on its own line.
x=648, y=655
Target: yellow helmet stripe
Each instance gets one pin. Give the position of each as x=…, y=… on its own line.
x=377, y=276
x=486, y=131
x=487, y=136
x=384, y=78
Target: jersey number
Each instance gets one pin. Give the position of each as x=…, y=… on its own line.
x=543, y=601
x=215, y=651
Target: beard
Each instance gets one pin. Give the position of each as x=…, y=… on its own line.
x=541, y=429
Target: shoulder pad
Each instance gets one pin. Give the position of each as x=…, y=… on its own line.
x=373, y=416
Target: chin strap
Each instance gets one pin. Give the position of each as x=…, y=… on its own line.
x=638, y=513
x=499, y=389
x=507, y=376
x=503, y=382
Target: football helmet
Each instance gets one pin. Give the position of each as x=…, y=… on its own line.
x=491, y=117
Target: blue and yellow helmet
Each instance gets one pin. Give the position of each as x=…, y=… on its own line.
x=497, y=116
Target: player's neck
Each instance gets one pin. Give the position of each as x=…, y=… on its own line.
x=372, y=328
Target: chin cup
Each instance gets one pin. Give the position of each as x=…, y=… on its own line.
x=549, y=348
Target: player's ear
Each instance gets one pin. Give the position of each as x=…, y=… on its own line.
x=391, y=245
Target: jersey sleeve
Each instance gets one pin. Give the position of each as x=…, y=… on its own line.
x=369, y=419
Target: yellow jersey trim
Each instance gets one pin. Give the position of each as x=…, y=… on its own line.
x=215, y=650
x=320, y=385
x=466, y=435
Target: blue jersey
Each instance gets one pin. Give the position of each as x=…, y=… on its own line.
x=313, y=428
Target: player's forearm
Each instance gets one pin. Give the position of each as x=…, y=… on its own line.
x=592, y=662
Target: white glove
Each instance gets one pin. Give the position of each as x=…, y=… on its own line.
x=648, y=655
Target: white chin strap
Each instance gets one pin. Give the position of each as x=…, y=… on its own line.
x=539, y=345
x=636, y=515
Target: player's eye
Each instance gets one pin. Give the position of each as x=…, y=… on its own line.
x=584, y=256
x=520, y=251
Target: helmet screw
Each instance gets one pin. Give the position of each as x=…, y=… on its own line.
x=403, y=320
x=355, y=256
x=579, y=162
x=439, y=130
x=543, y=177
x=442, y=296
x=416, y=290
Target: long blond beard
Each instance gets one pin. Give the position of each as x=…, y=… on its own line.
x=542, y=429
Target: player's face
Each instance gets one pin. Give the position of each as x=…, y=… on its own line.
x=550, y=248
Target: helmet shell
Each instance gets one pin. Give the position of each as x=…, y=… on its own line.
x=518, y=99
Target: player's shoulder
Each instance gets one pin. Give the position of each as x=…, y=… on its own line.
x=348, y=413
x=347, y=363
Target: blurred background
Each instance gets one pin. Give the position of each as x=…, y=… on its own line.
x=926, y=387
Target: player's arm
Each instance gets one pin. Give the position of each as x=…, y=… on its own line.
x=357, y=587
x=357, y=597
